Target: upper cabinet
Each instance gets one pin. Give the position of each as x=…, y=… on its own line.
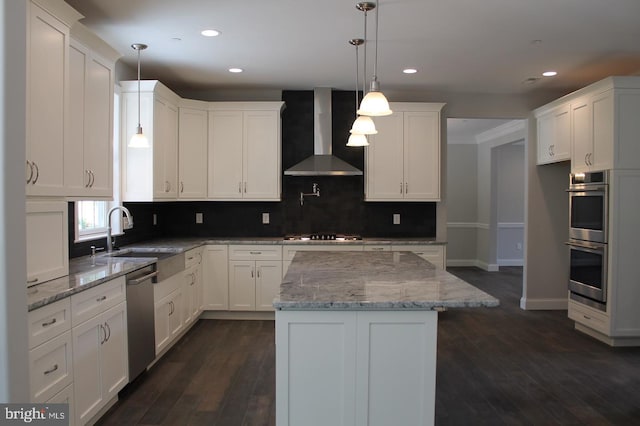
x=402, y=161
x=554, y=134
x=88, y=154
x=192, y=150
x=47, y=102
x=602, y=122
x=245, y=151
x=150, y=173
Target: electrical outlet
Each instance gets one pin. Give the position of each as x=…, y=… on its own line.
x=265, y=218
x=519, y=246
x=155, y=219
x=396, y=218
x=199, y=218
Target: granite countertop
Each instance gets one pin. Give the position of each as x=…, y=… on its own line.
x=86, y=272
x=373, y=281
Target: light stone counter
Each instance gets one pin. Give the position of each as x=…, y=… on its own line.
x=373, y=281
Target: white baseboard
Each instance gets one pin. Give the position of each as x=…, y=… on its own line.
x=544, y=304
x=511, y=262
x=473, y=262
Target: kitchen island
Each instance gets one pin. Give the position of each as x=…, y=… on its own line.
x=356, y=336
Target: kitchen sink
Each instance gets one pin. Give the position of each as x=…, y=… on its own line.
x=170, y=261
x=143, y=254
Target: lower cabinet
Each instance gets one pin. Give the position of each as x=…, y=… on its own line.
x=255, y=274
x=216, y=278
x=355, y=367
x=100, y=361
x=192, y=290
x=168, y=319
x=431, y=252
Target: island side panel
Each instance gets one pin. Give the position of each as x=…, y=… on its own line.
x=396, y=367
x=315, y=368
x=355, y=367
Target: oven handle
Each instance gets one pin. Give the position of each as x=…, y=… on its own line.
x=594, y=188
x=588, y=246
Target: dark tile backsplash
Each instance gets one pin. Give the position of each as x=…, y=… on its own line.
x=340, y=208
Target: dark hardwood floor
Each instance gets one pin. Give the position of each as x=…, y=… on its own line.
x=501, y=366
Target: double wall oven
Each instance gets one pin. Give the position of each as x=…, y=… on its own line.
x=588, y=220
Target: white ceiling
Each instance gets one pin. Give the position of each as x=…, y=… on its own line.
x=458, y=46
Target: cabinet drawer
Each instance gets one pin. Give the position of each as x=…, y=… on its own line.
x=49, y=321
x=589, y=317
x=432, y=253
x=193, y=257
x=167, y=286
x=290, y=251
x=50, y=367
x=257, y=252
x=92, y=302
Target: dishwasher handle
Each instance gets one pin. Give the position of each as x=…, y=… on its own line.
x=136, y=281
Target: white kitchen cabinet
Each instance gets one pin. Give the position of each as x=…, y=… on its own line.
x=150, y=173
x=47, y=98
x=432, y=253
x=554, y=134
x=192, y=150
x=244, y=151
x=289, y=251
x=216, y=278
x=168, y=296
x=402, y=161
x=192, y=285
x=65, y=396
x=47, y=241
x=100, y=361
x=255, y=274
x=50, y=353
x=355, y=368
x=88, y=152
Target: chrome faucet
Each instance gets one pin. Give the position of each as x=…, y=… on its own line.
x=315, y=193
x=129, y=220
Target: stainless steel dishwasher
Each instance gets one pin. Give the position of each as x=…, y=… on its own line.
x=140, y=319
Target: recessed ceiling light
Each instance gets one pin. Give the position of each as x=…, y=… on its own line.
x=549, y=73
x=235, y=70
x=210, y=33
x=409, y=70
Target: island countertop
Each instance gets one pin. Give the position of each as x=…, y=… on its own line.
x=373, y=281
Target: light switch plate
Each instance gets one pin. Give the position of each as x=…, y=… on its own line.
x=265, y=218
x=199, y=218
x=396, y=218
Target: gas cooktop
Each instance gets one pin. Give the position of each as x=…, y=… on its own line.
x=323, y=237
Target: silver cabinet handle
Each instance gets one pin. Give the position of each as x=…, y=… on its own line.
x=33, y=182
x=255, y=252
x=240, y=187
x=93, y=178
x=193, y=279
x=100, y=299
x=377, y=248
x=142, y=279
x=406, y=187
x=401, y=187
x=51, y=370
x=591, y=158
x=108, y=328
x=104, y=334
x=245, y=187
x=259, y=272
x=251, y=272
x=181, y=187
x=586, y=159
x=172, y=306
x=48, y=323
x=30, y=171
x=86, y=172
x=32, y=281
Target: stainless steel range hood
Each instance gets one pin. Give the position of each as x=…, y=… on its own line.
x=322, y=163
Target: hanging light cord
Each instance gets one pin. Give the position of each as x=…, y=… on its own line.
x=364, y=66
x=375, y=62
x=139, y=126
x=357, y=73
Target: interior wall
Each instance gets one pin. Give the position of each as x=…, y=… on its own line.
x=510, y=204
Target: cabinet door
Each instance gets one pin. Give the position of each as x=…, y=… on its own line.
x=115, y=357
x=47, y=241
x=225, y=155
x=581, y=143
x=262, y=155
x=98, y=142
x=189, y=290
x=216, y=278
x=47, y=79
x=242, y=283
x=268, y=280
x=50, y=367
x=422, y=156
x=165, y=149
x=561, y=149
x=192, y=155
x=88, y=337
x=76, y=177
x=176, y=314
x=545, y=136
x=384, y=160
x=171, y=151
x=161, y=319
x=603, y=133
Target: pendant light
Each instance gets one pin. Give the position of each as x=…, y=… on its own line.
x=363, y=124
x=139, y=140
x=357, y=138
x=375, y=104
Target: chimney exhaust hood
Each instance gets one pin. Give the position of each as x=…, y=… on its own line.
x=322, y=163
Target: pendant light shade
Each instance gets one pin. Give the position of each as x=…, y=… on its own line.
x=364, y=125
x=138, y=140
x=357, y=139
